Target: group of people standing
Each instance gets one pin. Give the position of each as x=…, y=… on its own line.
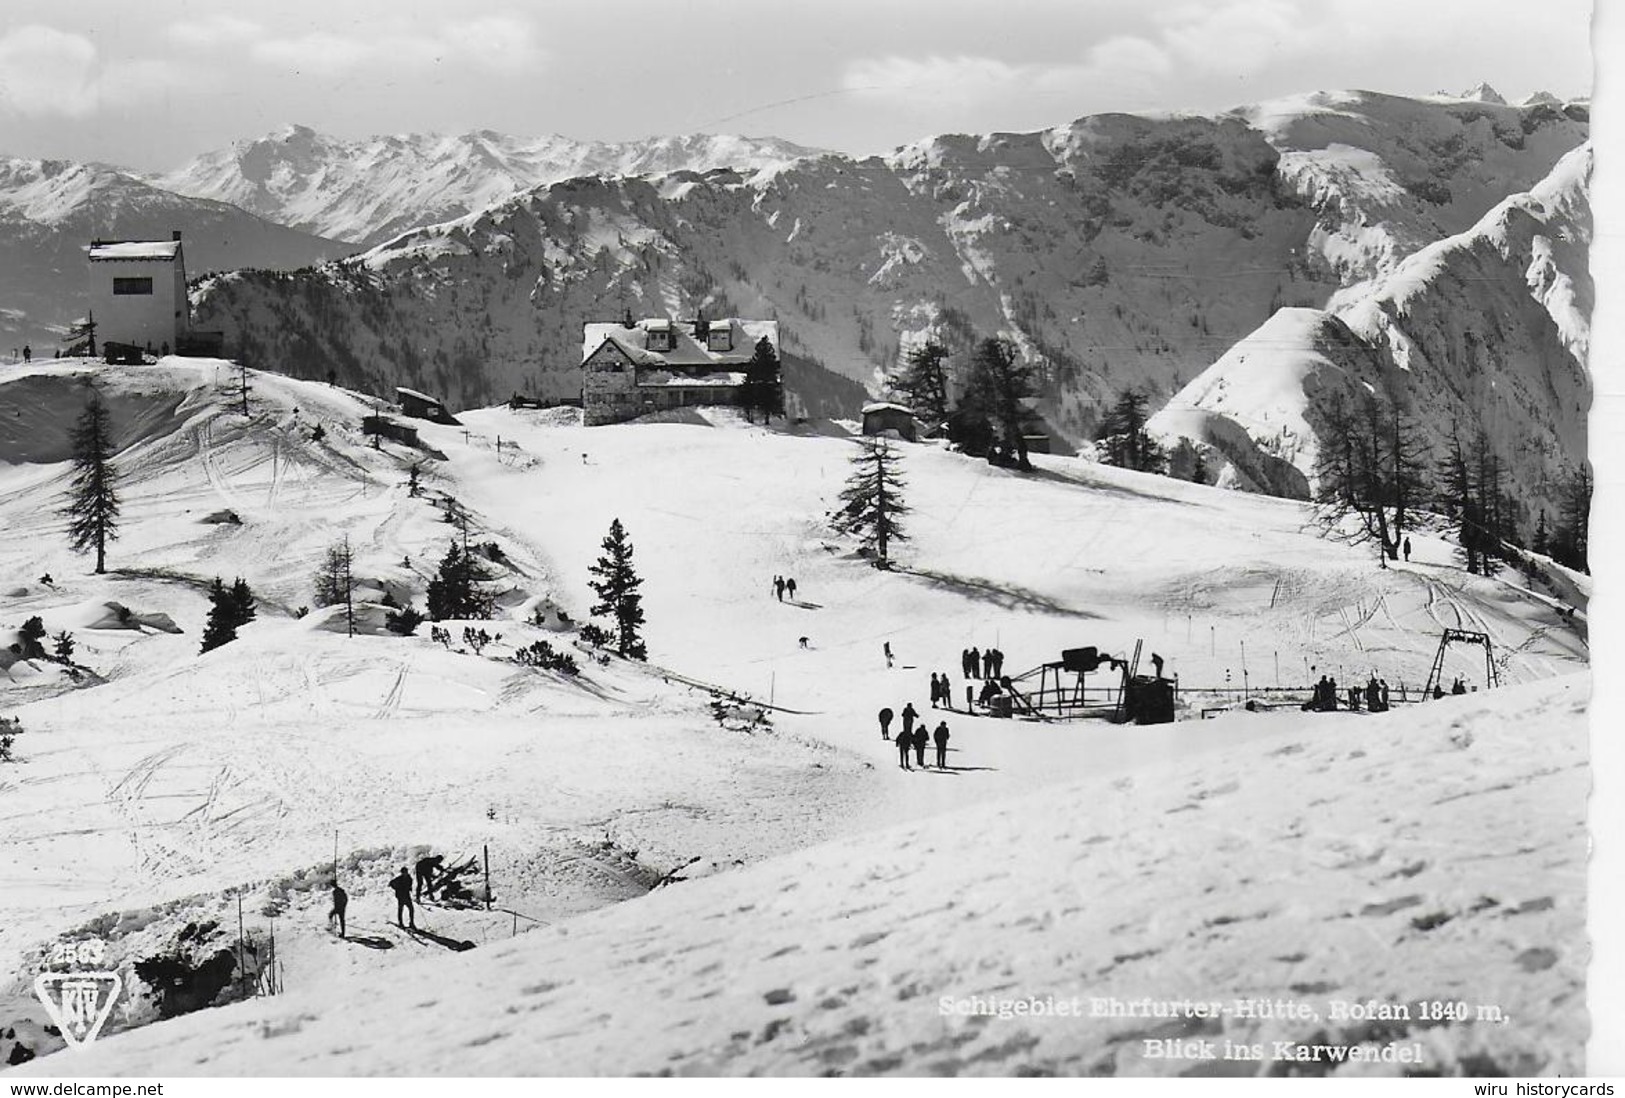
x=432, y=874
x=783, y=587
x=912, y=737
x=1326, y=698
x=982, y=665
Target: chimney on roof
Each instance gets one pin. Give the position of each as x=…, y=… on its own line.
x=628, y=323
x=174, y=234
x=701, y=325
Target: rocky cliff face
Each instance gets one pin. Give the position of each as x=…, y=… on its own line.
x=1116, y=251
x=1487, y=330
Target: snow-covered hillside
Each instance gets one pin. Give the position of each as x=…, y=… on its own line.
x=161, y=779
x=1437, y=855
x=1117, y=250
x=372, y=189
x=50, y=210
x=1486, y=329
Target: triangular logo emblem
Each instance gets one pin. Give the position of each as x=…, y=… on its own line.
x=78, y=1002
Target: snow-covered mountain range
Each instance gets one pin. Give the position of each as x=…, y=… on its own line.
x=1117, y=251
x=372, y=189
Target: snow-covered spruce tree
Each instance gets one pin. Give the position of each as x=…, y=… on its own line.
x=63, y=646
x=764, y=388
x=872, y=501
x=924, y=382
x=1123, y=438
x=93, y=503
x=1371, y=474
x=229, y=608
x=617, y=586
x=335, y=580
x=456, y=591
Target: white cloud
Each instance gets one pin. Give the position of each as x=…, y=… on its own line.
x=493, y=43
x=1119, y=66
x=213, y=31
x=45, y=72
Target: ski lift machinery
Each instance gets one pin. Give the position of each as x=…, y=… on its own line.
x=1461, y=636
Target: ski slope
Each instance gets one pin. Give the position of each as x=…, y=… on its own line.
x=142, y=800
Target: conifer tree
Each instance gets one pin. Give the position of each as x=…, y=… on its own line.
x=999, y=387
x=93, y=504
x=1371, y=475
x=764, y=385
x=617, y=586
x=924, y=384
x=32, y=634
x=64, y=645
x=1123, y=438
x=335, y=580
x=872, y=501
x=456, y=591
x=229, y=608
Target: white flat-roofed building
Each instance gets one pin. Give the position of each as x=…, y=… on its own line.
x=138, y=292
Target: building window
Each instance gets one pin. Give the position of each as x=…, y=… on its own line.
x=659, y=341
x=719, y=339
x=123, y=286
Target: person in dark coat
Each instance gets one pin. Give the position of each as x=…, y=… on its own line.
x=921, y=738
x=970, y=698
x=975, y=664
x=936, y=690
x=964, y=662
x=1382, y=684
x=426, y=870
x=790, y=589
x=903, y=745
x=910, y=715
x=987, y=664
x=1407, y=549
x=1458, y=687
x=341, y=902
x=998, y=663
x=941, y=737
x=1354, y=699
x=885, y=723
x=1331, y=693
x=947, y=692
x=778, y=587
x=402, y=886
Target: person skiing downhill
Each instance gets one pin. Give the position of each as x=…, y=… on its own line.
x=402, y=886
x=885, y=723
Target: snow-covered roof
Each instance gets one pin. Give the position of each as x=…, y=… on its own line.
x=686, y=350
x=136, y=249
x=401, y=390
x=886, y=406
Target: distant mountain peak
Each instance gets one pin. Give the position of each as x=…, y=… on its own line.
x=1483, y=93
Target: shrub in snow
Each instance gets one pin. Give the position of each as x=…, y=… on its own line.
x=404, y=621
x=32, y=632
x=64, y=646
x=10, y=728
x=229, y=608
x=541, y=654
x=595, y=635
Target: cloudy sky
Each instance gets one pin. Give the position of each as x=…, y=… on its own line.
x=150, y=84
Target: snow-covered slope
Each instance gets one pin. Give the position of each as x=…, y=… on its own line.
x=51, y=209
x=1116, y=250
x=1487, y=329
x=370, y=190
x=1433, y=856
x=161, y=779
